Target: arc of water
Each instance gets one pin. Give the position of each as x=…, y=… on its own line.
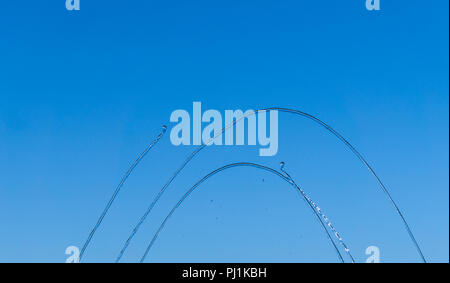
x=119, y=186
x=233, y=165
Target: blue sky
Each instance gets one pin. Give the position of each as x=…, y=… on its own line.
x=84, y=92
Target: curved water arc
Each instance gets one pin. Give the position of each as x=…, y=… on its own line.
x=223, y=168
x=118, y=188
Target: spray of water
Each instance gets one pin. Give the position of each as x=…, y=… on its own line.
x=233, y=165
x=119, y=186
x=319, y=211
x=285, y=110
